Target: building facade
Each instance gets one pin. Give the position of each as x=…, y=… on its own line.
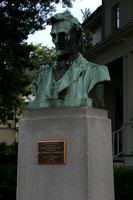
x=9, y=134
x=112, y=29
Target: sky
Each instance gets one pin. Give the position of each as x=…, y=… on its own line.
x=44, y=36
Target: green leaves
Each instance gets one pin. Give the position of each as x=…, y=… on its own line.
x=14, y=80
x=85, y=13
x=123, y=182
x=86, y=37
x=42, y=56
x=18, y=19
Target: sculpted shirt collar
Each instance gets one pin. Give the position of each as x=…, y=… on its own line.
x=72, y=73
x=76, y=61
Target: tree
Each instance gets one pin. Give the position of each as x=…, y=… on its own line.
x=85, y=13
x=43, y=56
x=86, y=37
x=18, y=19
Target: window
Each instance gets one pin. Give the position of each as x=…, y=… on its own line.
x=115, y=17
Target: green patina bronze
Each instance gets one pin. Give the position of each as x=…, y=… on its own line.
x=71, y=80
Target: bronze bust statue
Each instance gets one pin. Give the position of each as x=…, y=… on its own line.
x=71, y=80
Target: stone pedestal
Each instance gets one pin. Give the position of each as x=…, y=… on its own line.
x=88, y=172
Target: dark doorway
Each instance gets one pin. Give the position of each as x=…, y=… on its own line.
x=113, y=94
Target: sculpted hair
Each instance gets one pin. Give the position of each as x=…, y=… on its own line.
x=66, y=16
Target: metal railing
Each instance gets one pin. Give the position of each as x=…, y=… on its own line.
x=117, y=142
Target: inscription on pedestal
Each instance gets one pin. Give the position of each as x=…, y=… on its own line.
x=52, y=152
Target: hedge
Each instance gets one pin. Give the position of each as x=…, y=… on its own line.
x=8, y=171
x=123, y=183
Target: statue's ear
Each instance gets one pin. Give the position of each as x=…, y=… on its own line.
x=75, y=34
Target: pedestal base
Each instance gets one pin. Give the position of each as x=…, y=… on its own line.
x=88, y=172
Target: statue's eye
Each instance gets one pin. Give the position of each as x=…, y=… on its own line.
x=62, y=35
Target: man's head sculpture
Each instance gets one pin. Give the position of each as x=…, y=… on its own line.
x=71, y=81
x=66, y=33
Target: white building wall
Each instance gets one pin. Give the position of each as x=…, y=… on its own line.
x=97, y=35
x=7, y=135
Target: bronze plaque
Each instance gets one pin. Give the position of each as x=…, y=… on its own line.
x=52, y=152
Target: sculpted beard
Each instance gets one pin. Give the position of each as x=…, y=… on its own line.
x=67, y=52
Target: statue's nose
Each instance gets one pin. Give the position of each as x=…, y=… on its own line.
x=56, y=39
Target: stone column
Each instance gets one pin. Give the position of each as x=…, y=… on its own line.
x=88, y=172
x=128, y=103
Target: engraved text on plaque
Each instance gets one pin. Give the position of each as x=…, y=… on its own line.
x=52, y=152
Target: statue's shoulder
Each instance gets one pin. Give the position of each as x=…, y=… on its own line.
x=95, y=66
x=90, y=66
x=39, y=77
x=87, y=64
x=94, y=70
x=99, y=72
x=42, y=73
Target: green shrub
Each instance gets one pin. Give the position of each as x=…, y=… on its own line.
x=123, y=183
x=8, y=171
